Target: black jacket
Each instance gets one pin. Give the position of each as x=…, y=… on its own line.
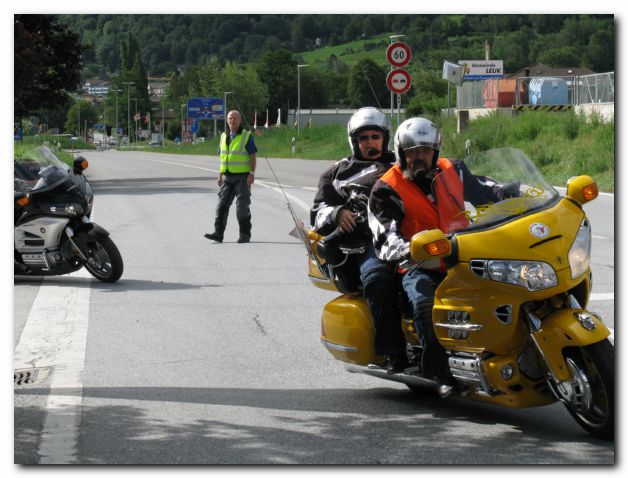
x=347, y=181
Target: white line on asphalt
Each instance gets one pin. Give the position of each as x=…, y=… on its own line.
x=55, y=335
x=265, y=184
x=602, y=296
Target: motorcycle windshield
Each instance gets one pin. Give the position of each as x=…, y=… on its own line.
x=490, y=188
x=37, y=170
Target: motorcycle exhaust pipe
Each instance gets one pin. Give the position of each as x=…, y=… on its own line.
x=380, y=372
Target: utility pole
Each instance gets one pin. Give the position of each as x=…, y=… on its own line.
x=299, y=97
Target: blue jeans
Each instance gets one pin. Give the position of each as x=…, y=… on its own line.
x=420, y=286
x=379, y=281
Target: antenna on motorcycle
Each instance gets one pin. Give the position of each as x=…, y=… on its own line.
x=299, y=230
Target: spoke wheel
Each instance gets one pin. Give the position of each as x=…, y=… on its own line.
x=589, y=394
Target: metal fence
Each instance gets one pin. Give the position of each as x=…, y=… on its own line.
x=598, y=88
x=555, y=90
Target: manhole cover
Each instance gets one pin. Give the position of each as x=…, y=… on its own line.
x=28, y=376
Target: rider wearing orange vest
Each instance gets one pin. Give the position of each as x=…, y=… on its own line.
x=407, y=200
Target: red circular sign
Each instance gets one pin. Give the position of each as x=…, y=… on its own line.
x=398, y=81
x=399, y=54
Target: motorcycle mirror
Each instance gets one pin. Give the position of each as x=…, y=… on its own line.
x=428, y=245
x=582, y=189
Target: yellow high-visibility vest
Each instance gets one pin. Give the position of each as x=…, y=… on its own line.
x=235, y=158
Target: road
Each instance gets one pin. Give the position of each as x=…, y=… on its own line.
x=210, y=353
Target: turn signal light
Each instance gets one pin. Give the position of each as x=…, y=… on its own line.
x=23, y=201
x=590, y=192
x=437, y=248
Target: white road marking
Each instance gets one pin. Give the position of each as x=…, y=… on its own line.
x=55, y=335
x=602, y=296
x=265, y=184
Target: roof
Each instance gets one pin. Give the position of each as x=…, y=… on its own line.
x=539, y=69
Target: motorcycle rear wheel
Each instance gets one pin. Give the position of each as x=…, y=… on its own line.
x=593, y=386
x=104, y=261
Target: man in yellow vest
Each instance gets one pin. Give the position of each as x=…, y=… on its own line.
x=237, y=172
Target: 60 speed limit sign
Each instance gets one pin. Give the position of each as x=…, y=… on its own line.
x=399, y=54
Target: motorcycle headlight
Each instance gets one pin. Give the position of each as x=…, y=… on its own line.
x=529, y=274
x=66, y=210
x=580, y=251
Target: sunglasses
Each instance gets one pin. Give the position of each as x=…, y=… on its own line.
x=365, y=137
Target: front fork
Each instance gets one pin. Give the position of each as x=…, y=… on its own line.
x=567, y=327
x=86, y=226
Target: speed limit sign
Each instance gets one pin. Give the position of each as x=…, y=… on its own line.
x=399, y=54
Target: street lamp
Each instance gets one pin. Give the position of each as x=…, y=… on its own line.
x=117, y=139
x=128, y=108
x=225, y=110
x=182, y=106
x=299, y=97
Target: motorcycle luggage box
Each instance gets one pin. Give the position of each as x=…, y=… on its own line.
x=348, y=331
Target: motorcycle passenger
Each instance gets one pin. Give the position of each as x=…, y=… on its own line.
x=402, y=203
x=338, y=210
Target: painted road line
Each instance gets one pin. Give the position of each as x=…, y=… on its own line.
x=602, y=296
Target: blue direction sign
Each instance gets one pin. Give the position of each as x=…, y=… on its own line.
x=206, y=108
x=195, y=126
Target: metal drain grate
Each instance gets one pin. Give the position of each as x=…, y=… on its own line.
x=29, y=376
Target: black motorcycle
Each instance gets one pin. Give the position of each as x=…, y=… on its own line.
x=53, y=231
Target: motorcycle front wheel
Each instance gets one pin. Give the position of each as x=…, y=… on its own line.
x=104, y=261
x=590, y=393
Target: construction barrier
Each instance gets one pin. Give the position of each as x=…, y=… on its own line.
x=542, y=107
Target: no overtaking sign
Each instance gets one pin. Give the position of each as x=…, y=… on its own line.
x=398, y=81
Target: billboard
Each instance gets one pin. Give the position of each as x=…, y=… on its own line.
x=206, y=108
x=482, y=69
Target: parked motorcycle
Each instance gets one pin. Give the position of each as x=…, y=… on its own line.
x=511, y=312
x=53, y=231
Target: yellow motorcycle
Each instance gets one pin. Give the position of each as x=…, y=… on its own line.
x=511, y=312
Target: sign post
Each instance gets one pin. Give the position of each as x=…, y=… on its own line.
x=398, y=80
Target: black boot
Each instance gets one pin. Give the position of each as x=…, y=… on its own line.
x=214, y=236
x=397, y=363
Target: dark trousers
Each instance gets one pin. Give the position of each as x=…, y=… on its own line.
x=420, y=286
x=379, y=281
x=234, y=186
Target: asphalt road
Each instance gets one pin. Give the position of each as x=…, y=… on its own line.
x=209, y=353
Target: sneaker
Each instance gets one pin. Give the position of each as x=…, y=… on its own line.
x=213, y=237
x=242, y=240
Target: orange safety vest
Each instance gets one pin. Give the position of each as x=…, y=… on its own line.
x=421, y=214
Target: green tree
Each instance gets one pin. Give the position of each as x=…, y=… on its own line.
x=367, y=85
x=278, y=70
x=248, y=92
x=47, y=63
x=601, y=51
x=560, y=57
x=81, y=113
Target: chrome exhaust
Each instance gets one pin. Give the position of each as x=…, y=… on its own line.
x=380, y=372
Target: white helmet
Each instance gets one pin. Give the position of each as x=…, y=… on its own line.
x=367, y=118
x=413, y=133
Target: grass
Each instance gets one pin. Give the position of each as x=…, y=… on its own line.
x=352, y=52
